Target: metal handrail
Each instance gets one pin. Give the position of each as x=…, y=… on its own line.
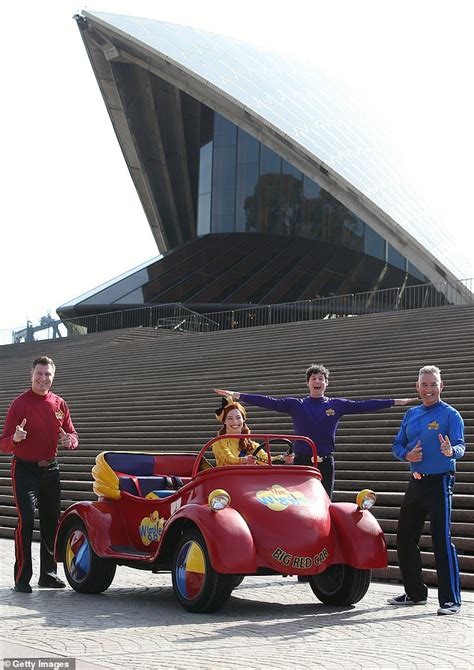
x=178, y=317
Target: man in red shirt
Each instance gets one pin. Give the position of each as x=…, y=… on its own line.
x=37, y=422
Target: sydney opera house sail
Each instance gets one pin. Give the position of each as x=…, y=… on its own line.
x=259, y=179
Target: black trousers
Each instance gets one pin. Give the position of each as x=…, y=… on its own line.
x=430, y=496
x=35, y=487
x=326, y=468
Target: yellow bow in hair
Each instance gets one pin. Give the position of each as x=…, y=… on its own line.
x=228, y=401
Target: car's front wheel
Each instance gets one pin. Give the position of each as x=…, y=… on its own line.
x=84, y=570
x=340, y=584
x=198, y=587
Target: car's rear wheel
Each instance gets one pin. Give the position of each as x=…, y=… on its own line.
x=340, y=584
x=198, y=587
x=84, y=570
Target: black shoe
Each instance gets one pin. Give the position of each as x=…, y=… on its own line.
x=51, y=582
x=23, y=588
x=405, y=600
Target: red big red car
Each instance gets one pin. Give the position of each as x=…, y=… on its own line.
x=211, y=526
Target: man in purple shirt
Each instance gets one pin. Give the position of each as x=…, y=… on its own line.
x=316, y=416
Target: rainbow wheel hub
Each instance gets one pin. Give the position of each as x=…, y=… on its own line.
x=78, y=556
x=191, y=570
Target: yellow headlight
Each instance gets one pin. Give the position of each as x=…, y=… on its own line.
x=365, y=499
x=218, y=499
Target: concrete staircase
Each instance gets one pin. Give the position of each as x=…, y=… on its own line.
x=147, y=389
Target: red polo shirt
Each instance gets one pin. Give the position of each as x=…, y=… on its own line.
x=45, y=415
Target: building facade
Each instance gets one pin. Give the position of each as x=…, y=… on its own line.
x=260, y=183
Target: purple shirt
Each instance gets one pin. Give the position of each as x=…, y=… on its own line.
x=316, y=418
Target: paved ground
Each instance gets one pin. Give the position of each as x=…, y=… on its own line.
x=269, y=623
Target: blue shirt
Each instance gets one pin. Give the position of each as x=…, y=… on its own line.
x=424, y=424
x=316, y=418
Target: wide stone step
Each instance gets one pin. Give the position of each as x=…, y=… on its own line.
x=151, y=390
x=458, y=527
x=392, y=573
x=466, y=500
x=463, y=544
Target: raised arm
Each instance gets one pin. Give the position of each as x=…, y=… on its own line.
x=284, y=405
x=346, y=406
x=235, y=395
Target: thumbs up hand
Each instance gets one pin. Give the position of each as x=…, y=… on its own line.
x=416, y=454
x=64, y=438
x=20, y=432
x=67, y=440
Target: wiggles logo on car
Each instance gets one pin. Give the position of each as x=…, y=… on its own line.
x=151, y=528
x=278, y=498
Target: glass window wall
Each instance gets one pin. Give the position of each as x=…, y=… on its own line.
x=244, y=186
x=353, y=232
x=417, y=274
x=205, y=173
x=269, y=192
x=312, y=209
x=204, y=196
x=395, y=258
x=223, y=176
x=375, y=245
x=291, y=199
x=248, y=154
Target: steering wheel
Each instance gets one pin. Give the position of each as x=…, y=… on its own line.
x=283, y=440
x=276, y=440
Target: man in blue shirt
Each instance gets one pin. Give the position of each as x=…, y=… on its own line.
x=431, y=439
x=316, y=416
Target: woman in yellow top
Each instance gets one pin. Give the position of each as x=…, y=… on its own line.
x=233, y=450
